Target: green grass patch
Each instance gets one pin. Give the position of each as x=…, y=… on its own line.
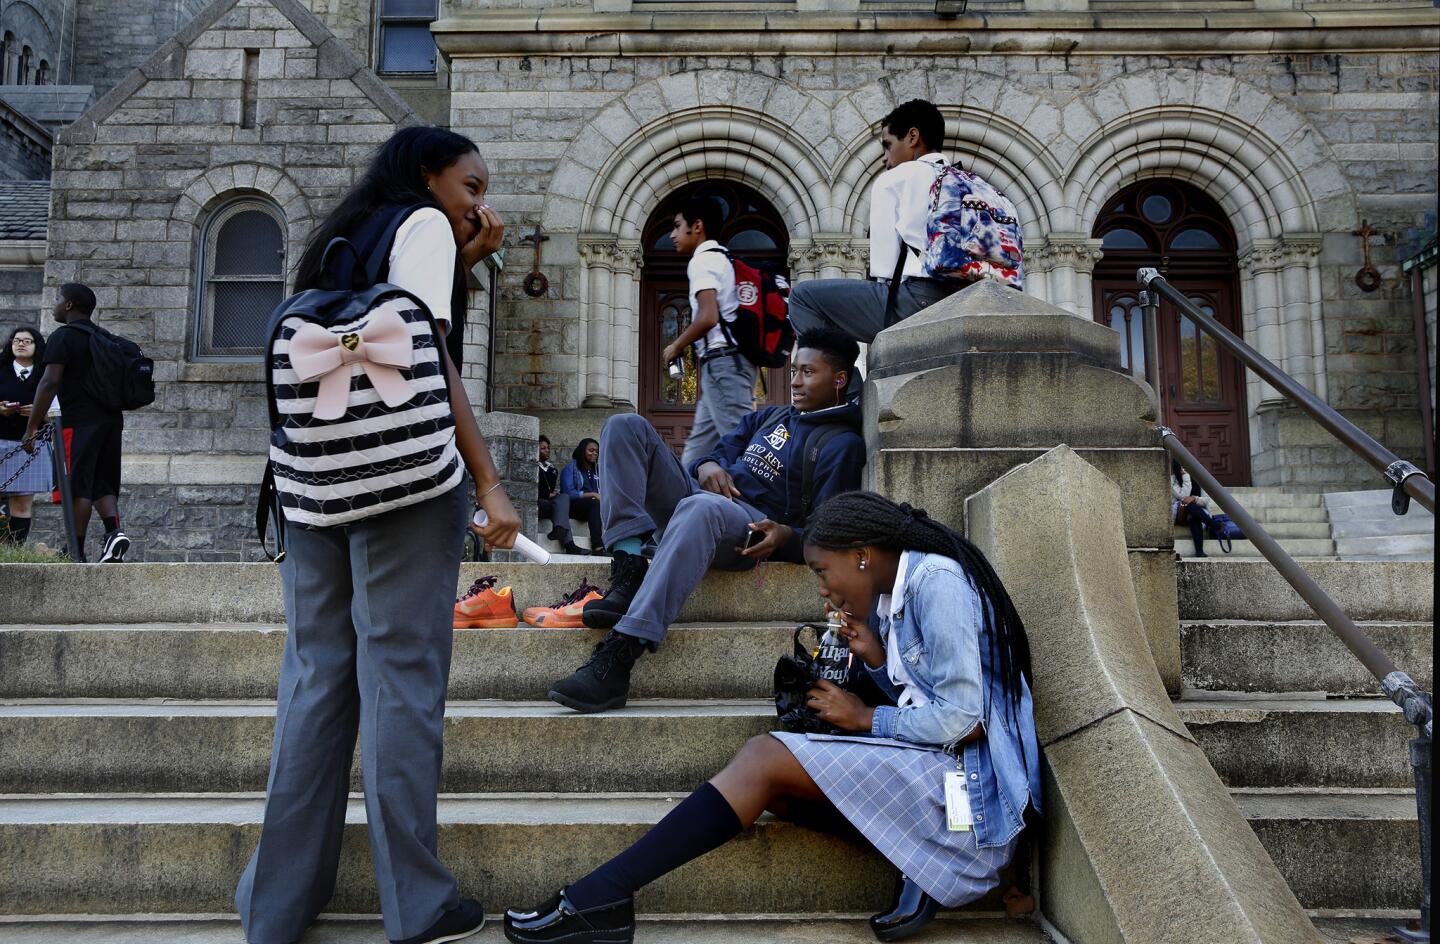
x=27, y=554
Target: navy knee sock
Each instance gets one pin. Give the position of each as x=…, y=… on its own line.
x=19, y=529
x=703, y=821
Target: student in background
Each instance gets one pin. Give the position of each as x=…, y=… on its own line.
x=580, y=484
x=22, y=475
x=96, y=427
x=727, y=377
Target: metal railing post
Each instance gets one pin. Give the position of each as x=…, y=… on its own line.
x=1420, y=763
x=1409, y=481
x=67, y=498
x=1150, y=304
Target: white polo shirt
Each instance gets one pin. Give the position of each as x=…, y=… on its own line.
x=712, y=270
x=900, y=207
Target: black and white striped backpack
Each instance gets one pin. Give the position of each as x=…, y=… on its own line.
x=360, y=414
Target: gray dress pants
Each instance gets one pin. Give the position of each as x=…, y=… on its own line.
x=727, y=394
x=646, y=490
x=369, y=608
x=857, y=307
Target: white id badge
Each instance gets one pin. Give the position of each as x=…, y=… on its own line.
x=957, y=802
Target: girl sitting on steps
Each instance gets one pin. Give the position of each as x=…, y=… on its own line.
x=949, y=649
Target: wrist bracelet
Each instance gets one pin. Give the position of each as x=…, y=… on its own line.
x=488, y=491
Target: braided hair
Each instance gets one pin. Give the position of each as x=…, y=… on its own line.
x=865, y=519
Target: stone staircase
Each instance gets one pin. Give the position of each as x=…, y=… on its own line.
x=1314, y=756
x=133, y=758
x=1345, y=525
x=136, y=708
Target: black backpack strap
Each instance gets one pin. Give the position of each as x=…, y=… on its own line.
x=266, y=507
x=380, y=252
x=896, y=277
x=813, y=444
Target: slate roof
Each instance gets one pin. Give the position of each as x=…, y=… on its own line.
x=24, y=209
x=53, y=106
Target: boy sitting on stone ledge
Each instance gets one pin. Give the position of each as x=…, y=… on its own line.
x=745, y=502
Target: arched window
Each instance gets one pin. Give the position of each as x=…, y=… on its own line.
x=27, y=59
x=42, y=73
x=241, y=278
x=7, y=49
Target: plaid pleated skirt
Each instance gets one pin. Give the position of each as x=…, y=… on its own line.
x=894, y=793
x=36, y=478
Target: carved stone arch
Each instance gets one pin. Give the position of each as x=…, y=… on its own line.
x=232, y=179
x=1267, y=168
x=741, y=127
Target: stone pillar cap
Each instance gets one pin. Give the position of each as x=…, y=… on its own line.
x=985, y=317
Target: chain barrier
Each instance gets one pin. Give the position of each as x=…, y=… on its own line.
x=43, y=434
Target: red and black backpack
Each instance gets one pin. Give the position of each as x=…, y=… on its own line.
x=761, y=327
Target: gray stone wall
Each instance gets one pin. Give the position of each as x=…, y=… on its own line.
x=114, y=36
x=20, y=298
x=548, y=121
x=39, y=24
x=22, y=156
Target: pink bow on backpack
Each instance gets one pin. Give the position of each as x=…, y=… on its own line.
x=380, y=347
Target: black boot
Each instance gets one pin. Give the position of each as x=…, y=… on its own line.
x=911, y=911
x=559, y=921
x=627, y=571
x=603, y=682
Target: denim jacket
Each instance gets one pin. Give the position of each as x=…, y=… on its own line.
x=939, y=635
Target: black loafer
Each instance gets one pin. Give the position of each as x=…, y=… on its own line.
x=559, y=922
x=458, y=923
x=911, y=910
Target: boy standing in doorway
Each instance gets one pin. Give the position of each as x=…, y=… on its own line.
x=727, y=378
x=911, y=137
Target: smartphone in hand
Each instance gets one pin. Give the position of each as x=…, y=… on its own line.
x=753, y=538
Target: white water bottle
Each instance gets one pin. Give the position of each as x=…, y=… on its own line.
x=523, y=544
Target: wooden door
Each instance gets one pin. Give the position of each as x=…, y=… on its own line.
x=1181, y=232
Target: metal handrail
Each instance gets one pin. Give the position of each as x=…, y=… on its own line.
x=1409, y=481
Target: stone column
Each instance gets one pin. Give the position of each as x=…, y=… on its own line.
x=990, y=378
x=829, y=256
x=1260, y=265
x=1069, y=260
x=597, y=254
x=1298, y=256
x=629, y=258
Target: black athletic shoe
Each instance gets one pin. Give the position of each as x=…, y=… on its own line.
x=458, y=923
x=116, y=544
x=603, y=682
x=627, y=571
x=559, y=922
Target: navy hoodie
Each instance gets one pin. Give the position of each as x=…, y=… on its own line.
x=764, y=457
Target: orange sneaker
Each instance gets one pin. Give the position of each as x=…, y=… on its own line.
x=566, y=613
x=484, y=607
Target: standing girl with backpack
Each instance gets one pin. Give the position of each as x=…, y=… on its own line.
x=369, y=602
x=939, y=781
x=22, y=475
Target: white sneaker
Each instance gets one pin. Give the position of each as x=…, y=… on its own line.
x=116, y=544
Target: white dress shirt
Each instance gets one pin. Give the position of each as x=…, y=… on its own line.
x=900, y=208
x=422, y=260
x=712, y=270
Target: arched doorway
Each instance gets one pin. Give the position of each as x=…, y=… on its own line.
x=752, y=230
x=1183, y=233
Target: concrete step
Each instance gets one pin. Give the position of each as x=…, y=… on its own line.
x=1261, y=497
x=1389, y=547
x=1268, y=514
x=1300, y=656
x=183, y=854
x=1242, y=548
x=1219, y=589
x=203, y=593
x=962, y=928
x=235, y=661
x=1410, y=525
x=1364, y=498
x=1341, y=849
x=1281, y=531
x=1301, y=742
x=490, y=747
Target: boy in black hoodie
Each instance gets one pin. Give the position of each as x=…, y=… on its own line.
x=754, y=482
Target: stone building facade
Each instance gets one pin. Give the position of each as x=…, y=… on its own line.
x=1275, y=133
